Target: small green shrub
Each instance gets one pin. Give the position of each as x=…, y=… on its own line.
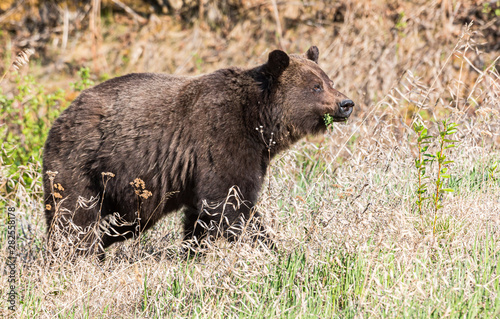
x=444, y=144
x=423, y=141
x=27, y=115
x=84, y=82
x=425, y=158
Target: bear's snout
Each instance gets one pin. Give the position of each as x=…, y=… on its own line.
x=345, y=108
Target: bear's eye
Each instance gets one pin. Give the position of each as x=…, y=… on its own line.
x=317, y=88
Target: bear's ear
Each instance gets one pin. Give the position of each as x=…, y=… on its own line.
x=313, y=54
x=277, y=63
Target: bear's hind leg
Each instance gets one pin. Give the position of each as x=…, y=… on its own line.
x=74, y=227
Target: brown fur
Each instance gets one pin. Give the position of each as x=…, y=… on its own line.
x=194, y=136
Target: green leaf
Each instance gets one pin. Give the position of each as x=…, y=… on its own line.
x=450, y=190
x=417, y=126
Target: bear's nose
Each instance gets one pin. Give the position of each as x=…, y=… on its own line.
x=346, y=107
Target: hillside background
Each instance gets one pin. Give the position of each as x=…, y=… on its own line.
x=365, y=46
x=365, y=227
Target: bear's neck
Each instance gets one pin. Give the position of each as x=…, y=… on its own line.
x=265, y=116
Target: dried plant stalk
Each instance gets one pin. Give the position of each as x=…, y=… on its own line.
x=22, y=58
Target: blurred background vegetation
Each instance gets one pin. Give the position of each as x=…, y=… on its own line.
x=366, y=47
x=355, y=239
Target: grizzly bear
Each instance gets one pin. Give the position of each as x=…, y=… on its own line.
x=134, y=148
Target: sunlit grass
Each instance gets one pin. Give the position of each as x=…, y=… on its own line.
x=351, y=242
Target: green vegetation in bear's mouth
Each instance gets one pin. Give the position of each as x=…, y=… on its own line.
x=328, y=119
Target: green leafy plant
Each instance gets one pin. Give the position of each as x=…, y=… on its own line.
x=27, y=114
x=401, y=23
x=423, y=141
x=487, y=8
x=492, y=172
x=84, y=82
x=444, y=144
x=426, y=158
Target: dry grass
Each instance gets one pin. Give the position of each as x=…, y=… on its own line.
x=341, y=208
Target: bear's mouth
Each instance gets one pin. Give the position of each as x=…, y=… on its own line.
x=328, y=118
x=339, y=119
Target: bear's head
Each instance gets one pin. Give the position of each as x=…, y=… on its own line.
x=304, y=92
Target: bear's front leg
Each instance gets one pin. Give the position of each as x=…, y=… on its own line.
x=229, y=217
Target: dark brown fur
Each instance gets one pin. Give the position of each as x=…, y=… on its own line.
x=194, y=136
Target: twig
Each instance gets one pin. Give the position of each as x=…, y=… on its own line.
x=11, y=11
x=279, y=31
x=201, y=10
x=65, y=27
x=130, y=11
x=94, y=32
